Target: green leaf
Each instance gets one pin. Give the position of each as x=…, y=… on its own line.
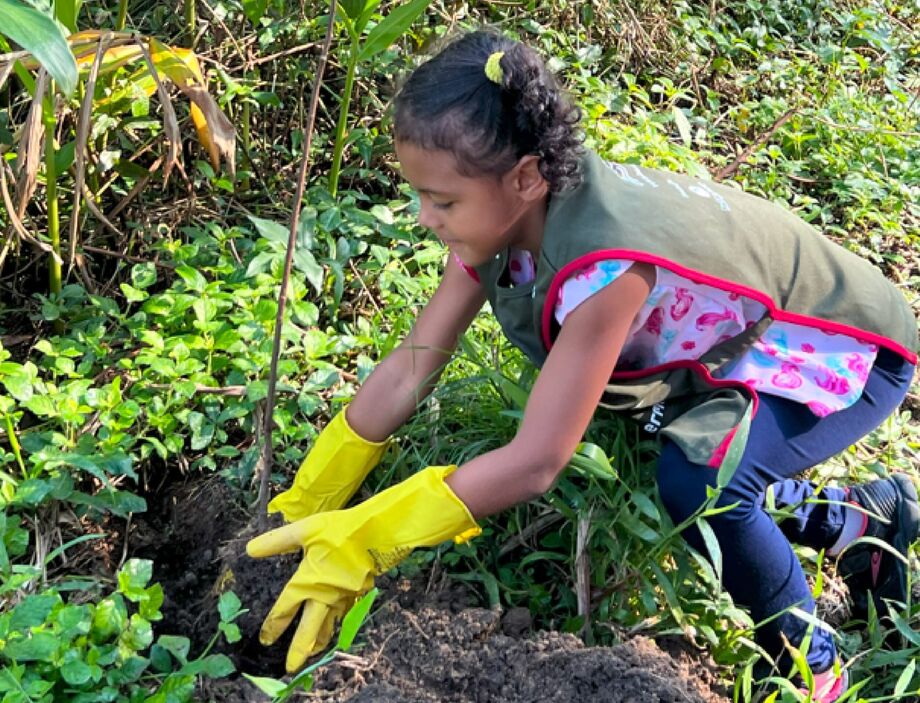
x=193, y=279
x=143, y=275
x=254, y=9
x=175, y=645
x=383, y=213
x=66, y=11
x=18, y=380
x=116, y=502
x=33, y=611
x=735, y=449
x=76, y=673
x=214, y=665
x=42, y=37
x=32, y=491
x=683, y=125
x=272, y=231
x=51, y=556
x=261, y=262
x=110, y=618
x=306, y=228
x=41, y=405
x=63, y=157
x=37, y=646
x=231, y=631
x=132, y=294
x=135, y=575
x=268, y=686
x=712, y=545
x=364, y=17
x=228, y=606
x=352, y=9
x=149, y=605
x=904, y=679
x=306, y=264
x=391, y=28
x=354, y=618
x=639, y=528
x=138, y=636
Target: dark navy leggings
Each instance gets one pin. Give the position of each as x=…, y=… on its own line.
x=760, y=569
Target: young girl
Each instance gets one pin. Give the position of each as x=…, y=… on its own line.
x=721, y=322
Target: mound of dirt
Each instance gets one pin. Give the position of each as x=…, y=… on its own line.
x=421, y=644
x=434, y=655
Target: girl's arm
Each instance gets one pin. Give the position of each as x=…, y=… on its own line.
x=409, y=373
x=562, y=402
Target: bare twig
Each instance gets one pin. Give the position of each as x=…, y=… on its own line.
x=281, y=54
x=17, y=222
x=126, y=257
x=265, y=463
x=83, y=127
x=138, y=187
x=583, y=571
x=5, y=71
x=749, y=149
x=364, y=287
x=532, y=529
x=855, y=128
x=217, y=18
x=93, y=208
x=235, y=391
x=14, y=56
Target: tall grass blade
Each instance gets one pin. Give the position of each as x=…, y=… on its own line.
x=391, y=28
x=354, y=619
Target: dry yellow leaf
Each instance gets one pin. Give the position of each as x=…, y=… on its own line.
x=215, y=131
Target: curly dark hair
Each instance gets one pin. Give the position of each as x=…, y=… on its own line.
x=449, y=103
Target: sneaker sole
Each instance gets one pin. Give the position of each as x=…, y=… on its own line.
x=907, y=522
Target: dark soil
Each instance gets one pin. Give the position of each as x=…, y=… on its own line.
x=421, y=644
x=432, y=654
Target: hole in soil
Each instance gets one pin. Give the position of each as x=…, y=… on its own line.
x=423, y=643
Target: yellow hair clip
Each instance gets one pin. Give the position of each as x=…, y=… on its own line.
x=494, y=68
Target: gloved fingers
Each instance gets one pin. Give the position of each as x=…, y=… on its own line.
x=313, y=634
x=282, y=540
x=281, y=614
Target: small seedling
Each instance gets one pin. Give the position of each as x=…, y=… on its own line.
x=351, y=623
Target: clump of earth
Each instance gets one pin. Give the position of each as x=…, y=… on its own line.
x=420, y=644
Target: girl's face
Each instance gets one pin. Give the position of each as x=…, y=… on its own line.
x=475, y=217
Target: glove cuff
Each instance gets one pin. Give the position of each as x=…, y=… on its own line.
x=330, y=474
x=353, y=436
x=422, y=511
x=472, y=528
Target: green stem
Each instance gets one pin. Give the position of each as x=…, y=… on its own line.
x=14, y=443
x=342, y=127
x=190, y=19
x=122, y=15
x=246, y=140
x=51, y=197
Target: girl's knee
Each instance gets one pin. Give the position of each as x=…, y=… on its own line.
x=680, y=494
x=682, y=487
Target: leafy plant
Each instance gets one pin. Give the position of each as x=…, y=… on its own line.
x=96, y=54
x=356, y=14
x=52, y=650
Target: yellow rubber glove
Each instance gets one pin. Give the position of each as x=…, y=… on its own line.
x=345, y=549
x=339, y=461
